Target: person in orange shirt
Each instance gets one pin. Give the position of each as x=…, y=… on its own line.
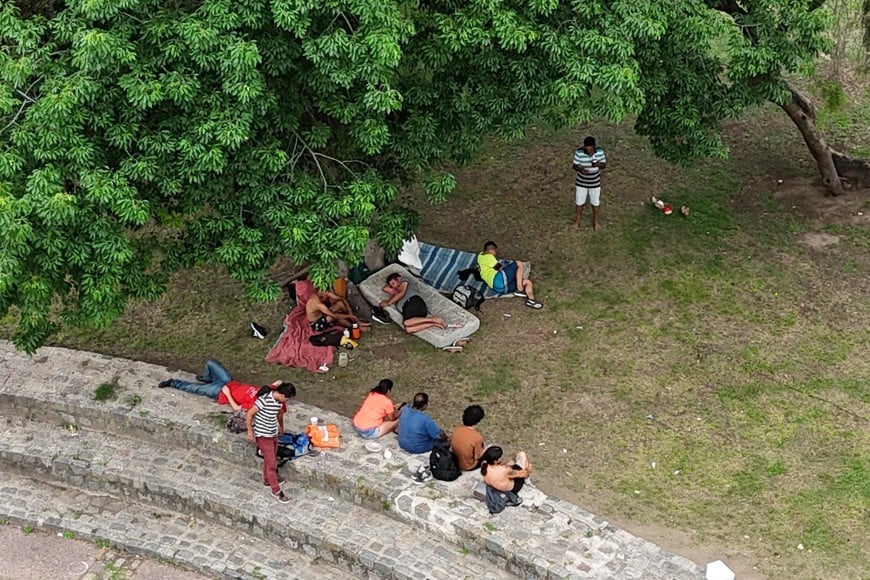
x=467, y=442
x=377, y=415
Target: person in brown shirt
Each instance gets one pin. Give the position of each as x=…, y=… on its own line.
x=467, y=442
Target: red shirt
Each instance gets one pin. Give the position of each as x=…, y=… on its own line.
x=243, y=394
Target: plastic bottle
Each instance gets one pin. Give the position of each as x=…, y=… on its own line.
x=355, y=331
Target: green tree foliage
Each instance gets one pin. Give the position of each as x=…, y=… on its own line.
x=138, y=137
x=719, y=57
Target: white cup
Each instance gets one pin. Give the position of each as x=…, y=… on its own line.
x=314, y=420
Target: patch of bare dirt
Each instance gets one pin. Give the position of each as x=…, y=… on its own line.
x=818, y=240
x=395, y=352
x=806, y=199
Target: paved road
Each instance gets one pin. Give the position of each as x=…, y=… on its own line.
x=39, y=555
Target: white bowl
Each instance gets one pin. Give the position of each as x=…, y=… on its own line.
x=373, y=446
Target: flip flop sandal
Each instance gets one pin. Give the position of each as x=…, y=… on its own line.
x=452, y=349
x=534, y=304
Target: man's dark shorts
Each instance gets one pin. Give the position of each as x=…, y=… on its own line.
x=414, y=307
x=321, y=324
x=505, y=280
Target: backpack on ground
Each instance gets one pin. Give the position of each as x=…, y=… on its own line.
x=359, y=273
x=328, y=338
x=236, y=422
x=442, y=462
x=290, y=447
x=467, y=297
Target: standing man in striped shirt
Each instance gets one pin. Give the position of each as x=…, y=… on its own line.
x=265, y=421
x=589, y=161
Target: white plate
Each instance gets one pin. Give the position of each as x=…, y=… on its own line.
x=373, y=446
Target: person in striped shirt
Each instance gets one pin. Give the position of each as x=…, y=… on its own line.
x=265, y=422
x=589, y=161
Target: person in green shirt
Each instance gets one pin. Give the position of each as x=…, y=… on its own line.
x=509, y=277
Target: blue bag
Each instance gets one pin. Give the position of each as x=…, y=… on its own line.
x=290, y=446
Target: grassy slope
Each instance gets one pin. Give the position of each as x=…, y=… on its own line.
x=748, y=350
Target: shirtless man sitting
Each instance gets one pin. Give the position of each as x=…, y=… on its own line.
x=415, y=312
x=505, y=478
x=326, y=309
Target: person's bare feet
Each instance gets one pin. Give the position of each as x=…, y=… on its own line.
x=596, y=226
x=575, y=226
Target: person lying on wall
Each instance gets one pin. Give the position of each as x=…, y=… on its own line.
x=215, y=382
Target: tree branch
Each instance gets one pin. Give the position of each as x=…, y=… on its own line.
x=802, y=101
x=305, y=147
x=26, y=99
x=315, y=155
x=15, y=117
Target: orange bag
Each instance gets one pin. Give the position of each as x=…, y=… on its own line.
x=324, y=436
x=340, y=287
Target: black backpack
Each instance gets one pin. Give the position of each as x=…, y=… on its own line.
x=467, y=297
x=328, y=338
x=442, y=462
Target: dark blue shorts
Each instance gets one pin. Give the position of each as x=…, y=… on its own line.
x=505, y=280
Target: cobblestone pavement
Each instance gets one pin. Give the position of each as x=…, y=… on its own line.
x=352, y=510
x=34, y=554
x=107, y=522
x=169, y=508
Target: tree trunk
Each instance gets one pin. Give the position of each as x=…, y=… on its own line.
x=865, y=37
x=801, y=110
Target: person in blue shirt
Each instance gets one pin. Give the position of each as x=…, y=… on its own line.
x=418, y=432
